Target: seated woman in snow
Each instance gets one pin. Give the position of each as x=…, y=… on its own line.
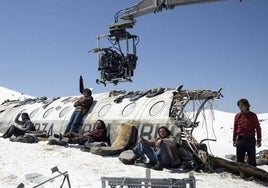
x=96, y=135
x=26, y=126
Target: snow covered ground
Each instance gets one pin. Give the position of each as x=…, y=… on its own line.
x=86, y=169
x=17, y=160
x=7, y=94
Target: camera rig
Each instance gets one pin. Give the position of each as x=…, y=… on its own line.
x=115, y=65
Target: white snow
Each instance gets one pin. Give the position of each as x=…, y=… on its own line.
x=85, y=169
x=7, y=94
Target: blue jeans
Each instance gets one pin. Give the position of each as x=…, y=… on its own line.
x=74, y=122
x=160, y=155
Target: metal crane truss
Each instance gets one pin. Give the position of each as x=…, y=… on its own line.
x=128, y=15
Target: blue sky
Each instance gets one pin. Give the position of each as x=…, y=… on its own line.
x=44, y=44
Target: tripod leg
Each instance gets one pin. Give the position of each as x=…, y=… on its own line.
x=63, y=181
x=68, y=180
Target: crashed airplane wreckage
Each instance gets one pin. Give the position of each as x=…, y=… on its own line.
x=130, y=115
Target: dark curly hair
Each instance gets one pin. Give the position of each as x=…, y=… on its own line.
x=26, y=115
x=88, y=91
x=244, y=102
x=166, y=129
x=103, y=125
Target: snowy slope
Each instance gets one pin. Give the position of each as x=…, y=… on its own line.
x=7, y=94
x=85, y=169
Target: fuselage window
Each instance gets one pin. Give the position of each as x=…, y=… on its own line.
x=64, y=111
x=48, y=112
x=157, y=108
x=104, y=110
x=33, y=113
x=128, y=109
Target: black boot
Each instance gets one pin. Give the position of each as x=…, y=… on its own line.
x=57, y=142
x=59, y=136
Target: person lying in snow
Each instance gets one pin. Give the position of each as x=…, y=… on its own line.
x=96, y=135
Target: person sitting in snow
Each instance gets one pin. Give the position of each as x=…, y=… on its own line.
x=162, y=152
x=96, y=135
x=26, y=126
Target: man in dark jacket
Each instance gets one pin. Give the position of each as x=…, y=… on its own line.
x=246, y=124
x=26, y=126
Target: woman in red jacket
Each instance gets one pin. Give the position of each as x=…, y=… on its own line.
x=246, y=125
x=98, y=134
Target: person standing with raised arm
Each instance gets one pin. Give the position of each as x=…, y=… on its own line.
x=82, y=106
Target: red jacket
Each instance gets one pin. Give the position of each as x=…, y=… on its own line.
x=98, y=134
x=245, y=125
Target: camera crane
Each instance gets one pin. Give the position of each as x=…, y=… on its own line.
x=116, y=65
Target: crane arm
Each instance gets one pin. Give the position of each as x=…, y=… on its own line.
x=127, y=18
x=115, y=63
